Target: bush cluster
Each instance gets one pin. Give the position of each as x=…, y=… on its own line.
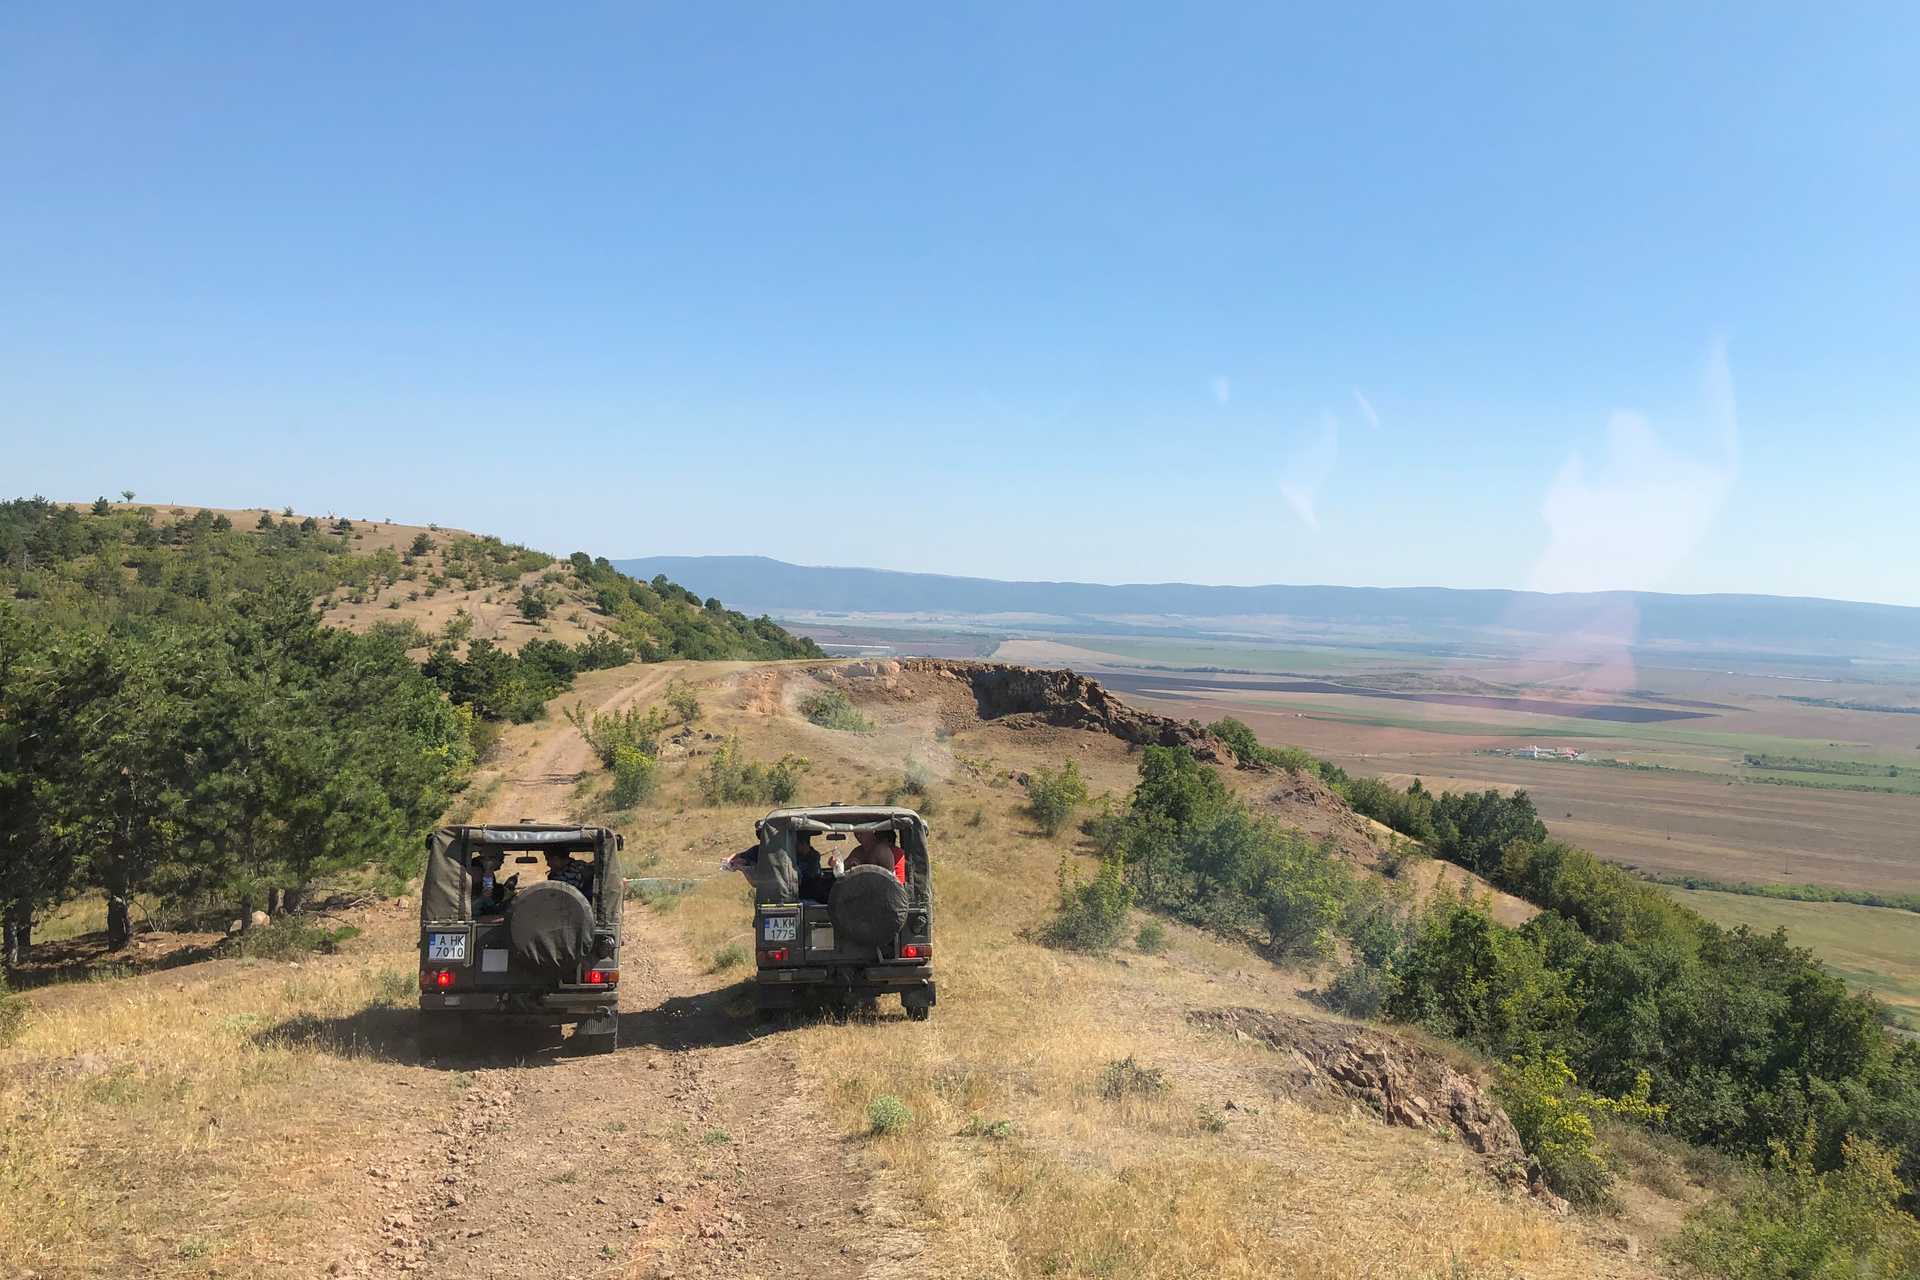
x=731, y=778
x=1248, y=749
x=1092, y=914
x=1555, y=1117
x=1193, y=849
x=832, y=709
x=1053, y=795
x=1800, y=1221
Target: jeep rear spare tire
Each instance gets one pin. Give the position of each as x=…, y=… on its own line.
x=868, y=907
x=551, y=925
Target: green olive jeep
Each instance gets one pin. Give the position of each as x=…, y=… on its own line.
x=828, y=934
x=494, y=954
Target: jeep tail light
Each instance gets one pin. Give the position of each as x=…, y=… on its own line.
x=916, y=951
x=602, y=977
x=774, y=955
x=440, y=979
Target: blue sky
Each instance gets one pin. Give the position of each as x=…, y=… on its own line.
x=1378, y=295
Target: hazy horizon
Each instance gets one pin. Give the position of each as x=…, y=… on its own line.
x=1523, y=299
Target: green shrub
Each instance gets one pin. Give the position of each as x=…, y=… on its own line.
x=606, y=734
x=1800, y=1224
x=783, y=778
x=290, y=938
x=1152, y=938
x=978, y=1126
x=1092, y=914
x=886, y=1114
x=683, y=701
x=1555, y=1116
x=731, y=956
x=1361, y=989
x=1125, y=1078
x=1053, y=795
x=731, y=778
x=635, y=775
x=832, y=709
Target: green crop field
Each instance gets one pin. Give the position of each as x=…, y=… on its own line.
x=1875, y=949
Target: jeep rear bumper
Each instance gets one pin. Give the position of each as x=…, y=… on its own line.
x=786, y=987
x=543, y=1006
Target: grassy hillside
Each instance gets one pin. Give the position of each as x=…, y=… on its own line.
x=95, y=564
x=203, y=710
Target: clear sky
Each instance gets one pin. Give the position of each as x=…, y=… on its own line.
x=1495, y=296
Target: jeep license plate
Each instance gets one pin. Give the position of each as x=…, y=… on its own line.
x=446, y=946
x=780, y=929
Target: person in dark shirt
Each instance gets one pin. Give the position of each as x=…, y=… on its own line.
x=567, y=869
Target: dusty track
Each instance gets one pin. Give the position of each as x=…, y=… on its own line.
x=692, y=1151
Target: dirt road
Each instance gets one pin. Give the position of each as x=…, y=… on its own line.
x=692, y=1151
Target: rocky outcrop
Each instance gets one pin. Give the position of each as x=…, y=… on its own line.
x=1070, y=701
x=1402, y=1082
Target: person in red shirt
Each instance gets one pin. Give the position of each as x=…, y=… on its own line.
x=880, y=849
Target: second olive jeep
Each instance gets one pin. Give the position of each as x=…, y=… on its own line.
x=823, y=936
x=495, y=954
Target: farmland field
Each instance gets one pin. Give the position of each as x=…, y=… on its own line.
x=1834, y=804
x=1736, y=776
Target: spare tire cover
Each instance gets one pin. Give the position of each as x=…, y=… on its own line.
x=551, y=925
x=868, y=907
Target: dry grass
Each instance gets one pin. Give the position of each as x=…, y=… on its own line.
x=190, y=1120
x=1016, y=1163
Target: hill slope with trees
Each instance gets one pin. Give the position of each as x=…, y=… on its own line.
x=202, y=706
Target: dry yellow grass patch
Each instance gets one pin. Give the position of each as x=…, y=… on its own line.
x=181, y=1121
x=1015, y=1163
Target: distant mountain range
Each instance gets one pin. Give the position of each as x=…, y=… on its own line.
x=1730, y=623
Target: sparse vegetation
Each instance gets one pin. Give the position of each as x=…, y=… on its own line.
x=1151, y=939
x=13, y=1013
x=290, y=938
x=634, y=777
x=610, y=732
x=916, y=788
x=1053, y=795
x=832, y=709
x=732, y=956
x=887, y=1115
x=683, y=701
x=1248, y=749
x=1125, y=1078
x=731, y=778
x=1092, y=915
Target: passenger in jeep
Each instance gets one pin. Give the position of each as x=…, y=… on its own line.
x=490, y=892
x=880, y=849
x=567, y=869
x=816, y=882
